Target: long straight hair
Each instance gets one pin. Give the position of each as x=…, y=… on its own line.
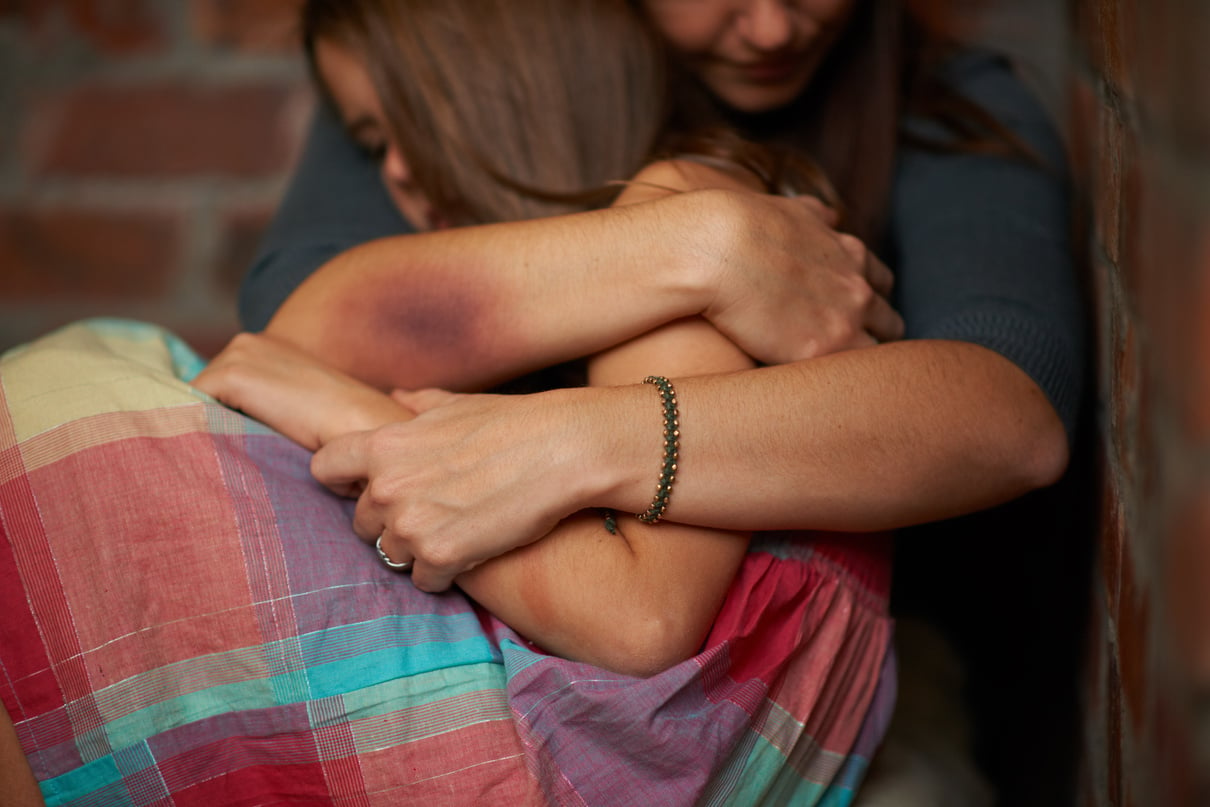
x=507, y=109
x=883, y=65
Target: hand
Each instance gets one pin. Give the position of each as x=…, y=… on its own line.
x=470, y=478
x=294, y=393
x=789, y=287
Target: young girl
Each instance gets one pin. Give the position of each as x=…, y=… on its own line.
x=975, y=409
x=263, y=663
x=466, y=125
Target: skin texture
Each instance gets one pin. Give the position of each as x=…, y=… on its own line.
x=361, y=110
x=850, y=440
x=839, y=460
x=529, y=293
x=17, y=785
x=635, y=602
x=472, y=307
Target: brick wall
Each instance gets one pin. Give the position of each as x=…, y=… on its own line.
x=143, y=145
x=1140, y=88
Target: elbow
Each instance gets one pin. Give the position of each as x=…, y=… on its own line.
x=651, y=644
x=1043, y=450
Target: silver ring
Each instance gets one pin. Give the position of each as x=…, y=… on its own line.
x=390, y=564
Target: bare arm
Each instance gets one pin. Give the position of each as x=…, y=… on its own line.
x=862, y=440
x=645, y=598
x=17, y=784
x=865, y=440
x=463, y=309
x=636, y=601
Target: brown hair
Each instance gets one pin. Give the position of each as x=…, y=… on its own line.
x=884, y=65
x=507, y=109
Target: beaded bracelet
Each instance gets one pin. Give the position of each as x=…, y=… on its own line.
x=672, y=436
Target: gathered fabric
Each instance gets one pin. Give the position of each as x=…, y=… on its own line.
x=189, y=619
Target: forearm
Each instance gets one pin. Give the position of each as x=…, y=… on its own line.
x=863, y=440
x=634, y=602
x=463, y=309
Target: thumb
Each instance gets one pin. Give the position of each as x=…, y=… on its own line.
x=828, y=215
x=422, y=400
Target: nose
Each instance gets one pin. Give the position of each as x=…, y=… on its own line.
x=394, y=167
x=766, y=25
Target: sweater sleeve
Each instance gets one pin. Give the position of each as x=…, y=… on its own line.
x=335, y=201
x=982, y=243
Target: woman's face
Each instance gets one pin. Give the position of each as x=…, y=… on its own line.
x=351, y=88
x=754, y=55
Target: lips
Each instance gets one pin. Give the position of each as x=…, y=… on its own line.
x=769, y=72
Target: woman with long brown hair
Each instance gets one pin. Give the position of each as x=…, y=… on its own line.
x=716, y=672
x=480, y=112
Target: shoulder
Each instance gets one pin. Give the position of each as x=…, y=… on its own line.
x=991, y=80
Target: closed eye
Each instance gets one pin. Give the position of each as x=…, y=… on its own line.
x=375, y=151
x=367, y=134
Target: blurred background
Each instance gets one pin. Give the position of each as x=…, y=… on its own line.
x=144, y=144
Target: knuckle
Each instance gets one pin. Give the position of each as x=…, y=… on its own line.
x=379, y=492
x=380, y=442
x=442, y=558
x=898, y=329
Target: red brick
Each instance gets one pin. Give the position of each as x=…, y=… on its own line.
x=248, y=25
x=74, y=254
x=1186, y=565
x=1126, y=389
x=1107, y=184
x=164, y=130
x=119, y=26
x=1195, y=401
x=1111, y=44
x=1130, y=165
x=1168, y=280
x=1134, y=644
x=241, y=236
x=113, y=27
x=1098, y=28
x=1113, y=530
x=1174, y=71
x=1113, y=732
x=1082, y=125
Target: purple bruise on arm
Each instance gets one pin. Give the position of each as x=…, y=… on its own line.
x=433, y=333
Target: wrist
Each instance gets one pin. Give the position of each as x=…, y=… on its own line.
x=596, y=466
x=690, y=240
x=613, y=463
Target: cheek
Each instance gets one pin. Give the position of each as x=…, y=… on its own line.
x=689, y=26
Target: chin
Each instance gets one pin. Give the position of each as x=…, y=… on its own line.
x=754, y=99
x=755, y=102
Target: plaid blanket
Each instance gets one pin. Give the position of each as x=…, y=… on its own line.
x=188, y=619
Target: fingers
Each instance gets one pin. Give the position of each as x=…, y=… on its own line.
x=828, y=215
x=394, y=555
x=423, y=400
x=429, y=578
x=878, y=275
x=394, y=561
x=882, y=321
x=343, y=463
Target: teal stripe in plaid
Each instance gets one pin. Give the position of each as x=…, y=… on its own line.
x=218, y=634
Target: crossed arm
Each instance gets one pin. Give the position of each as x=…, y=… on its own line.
x=636, y=601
